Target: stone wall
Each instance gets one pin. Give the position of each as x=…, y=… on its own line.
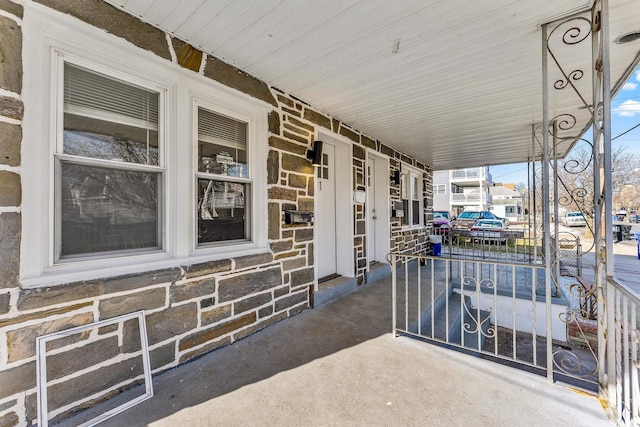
x=413, y=241
x=13, y=381
x=192, y=309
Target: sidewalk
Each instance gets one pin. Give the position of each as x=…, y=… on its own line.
x=339, y=365
x=627, y=264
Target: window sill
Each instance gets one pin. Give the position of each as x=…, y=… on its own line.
x=412, y=227
x=103, y=269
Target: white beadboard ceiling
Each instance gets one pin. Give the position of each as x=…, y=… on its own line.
x=463, y=89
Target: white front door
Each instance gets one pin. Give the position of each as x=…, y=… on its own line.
x=372, y=215
x=377, y=208
x=325, y=218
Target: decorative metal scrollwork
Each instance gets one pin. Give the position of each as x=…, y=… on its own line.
x=575, y=75
x=573, y=166
x=575, y=34
x=588, y=300
x=565, y=121
x=569, y=362
x=478, y=323
x=577, y=196
x=580, y=28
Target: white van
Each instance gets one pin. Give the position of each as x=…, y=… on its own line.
x=574, y=219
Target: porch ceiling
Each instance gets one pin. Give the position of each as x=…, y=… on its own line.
x=463, y=89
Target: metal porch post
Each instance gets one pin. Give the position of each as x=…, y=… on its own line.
x=602, y=152
x=533, y=207
x=545, y=200
x=556, y=210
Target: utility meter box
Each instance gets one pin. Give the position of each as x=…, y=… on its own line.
x=397, y=210
x=298, y=217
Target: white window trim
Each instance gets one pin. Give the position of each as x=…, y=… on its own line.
x=255, y=151
x=414, y=172
x=48, y=35
x=59, y=58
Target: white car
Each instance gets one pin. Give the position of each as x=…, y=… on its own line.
x=488, y=230
x=574, y=219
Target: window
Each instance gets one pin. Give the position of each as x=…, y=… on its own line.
x=411, y=189
x=439, y=189
x=223, y=184
x=108, y=170
x=139, y=165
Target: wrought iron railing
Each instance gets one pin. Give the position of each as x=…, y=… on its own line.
x=620, y=377
x=506, y=311
x=507, y=245
x=568, y=253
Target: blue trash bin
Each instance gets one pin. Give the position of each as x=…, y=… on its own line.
x=436, y=245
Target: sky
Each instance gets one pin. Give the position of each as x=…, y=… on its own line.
x=625, y=114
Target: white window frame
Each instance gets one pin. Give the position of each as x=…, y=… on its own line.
x=413, y=177
x=59, y=156
x=256, y=233
x=439, y=189
x=50, y=38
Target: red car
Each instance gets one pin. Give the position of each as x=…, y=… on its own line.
x=467, y=218
x=441, y=222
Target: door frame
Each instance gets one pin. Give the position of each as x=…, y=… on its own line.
x=344, y=206
x=383, y=209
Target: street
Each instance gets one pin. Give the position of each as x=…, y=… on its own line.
x=627, y=264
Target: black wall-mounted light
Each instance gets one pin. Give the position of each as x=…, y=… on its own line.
x=315, y=155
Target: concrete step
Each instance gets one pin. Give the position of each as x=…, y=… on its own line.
x=442, y=321
x=448, y=318
x=334, y=288
x=377, y=271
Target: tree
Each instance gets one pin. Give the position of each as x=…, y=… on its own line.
x=627, y=197
x=576, y=183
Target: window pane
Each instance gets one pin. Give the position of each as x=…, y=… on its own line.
x=221, y=160
x=416, y=212
x=222, y=208
x=99, y=139
x=403, y=187
x=222, y=144
x=414, y=187
x=405, y=207
x=106, y=118
x=105, y=209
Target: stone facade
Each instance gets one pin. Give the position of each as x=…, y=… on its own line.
x=415, y=240
x=191, y=309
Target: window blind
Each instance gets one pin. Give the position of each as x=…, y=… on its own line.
x=219, y=129
x=88, y=90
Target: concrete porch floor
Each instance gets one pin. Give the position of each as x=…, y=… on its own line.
x=340, y=365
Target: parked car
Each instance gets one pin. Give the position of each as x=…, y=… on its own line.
x=489, y=230
x=442, y=222
x=467, y=218
x=634, y=218
x=574, y=219
x=504, y=220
